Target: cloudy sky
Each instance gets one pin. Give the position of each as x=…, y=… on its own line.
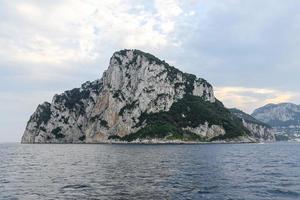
x=248, y=49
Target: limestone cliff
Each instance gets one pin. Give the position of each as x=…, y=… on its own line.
x=138, y=97
x=258, y=130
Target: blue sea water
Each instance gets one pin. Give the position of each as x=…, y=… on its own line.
x=213, y=171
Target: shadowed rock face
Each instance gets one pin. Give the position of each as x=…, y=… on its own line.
x=135, y=84
x=258, y=129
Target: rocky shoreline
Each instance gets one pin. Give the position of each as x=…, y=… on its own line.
x=154, y=141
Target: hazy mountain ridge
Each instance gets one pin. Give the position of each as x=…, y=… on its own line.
x=138, y=98
x=283, y=117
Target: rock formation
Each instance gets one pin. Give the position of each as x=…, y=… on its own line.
x=138, y=98
x=258, y=130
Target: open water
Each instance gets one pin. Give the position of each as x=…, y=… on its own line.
x=212, y=171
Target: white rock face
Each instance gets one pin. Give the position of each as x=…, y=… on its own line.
x=259, y=132
x=135, y=82
x=206, y=131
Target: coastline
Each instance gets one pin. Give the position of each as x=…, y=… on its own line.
x=238, y=140
x=157, y=142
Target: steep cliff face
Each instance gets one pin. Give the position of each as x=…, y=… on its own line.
x=283, y=117
x=283, y=114
x=138, y=97
x=258, y=130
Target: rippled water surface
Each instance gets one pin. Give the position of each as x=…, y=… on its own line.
x=214, y=171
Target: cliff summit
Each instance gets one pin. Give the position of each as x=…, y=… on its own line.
x=138, y=98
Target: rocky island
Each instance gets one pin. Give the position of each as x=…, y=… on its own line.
x=141, y=98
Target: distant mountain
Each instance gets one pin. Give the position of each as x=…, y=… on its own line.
x=283, y=117
x=257, y=128
x=140, y=98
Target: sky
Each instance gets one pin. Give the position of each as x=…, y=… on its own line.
x=247, y=49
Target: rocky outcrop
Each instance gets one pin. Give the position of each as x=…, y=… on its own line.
x=138, y=96
x=283, y=117
x=258, y=130
x=207, y=131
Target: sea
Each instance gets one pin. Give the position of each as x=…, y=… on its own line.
x=141, y=171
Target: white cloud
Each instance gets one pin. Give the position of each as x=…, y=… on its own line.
x=249, y=99
x=37, y=49
x=78, y=30
x=28, y=10
x=167, y=11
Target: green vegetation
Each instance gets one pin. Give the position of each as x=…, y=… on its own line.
x=66, y=120
x=150, y=57
x=159, y=131
x=57, y=133
x=185, y=136
x=118, y=60
x=189, y=83
x=248, y=118
x=128, y=107
x=75, y=96
x=73, y=99
x=82, y=138
x=114, y=137
x=152, y=131
x=104, y=123
x=43, y=129
x=191, y=111
x=95, y=86
x=119, y=95
x=43, y=116
x=94, y=118
x=148, y=90
x=123, y=53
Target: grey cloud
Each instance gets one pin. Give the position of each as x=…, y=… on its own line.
x=249, y=43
